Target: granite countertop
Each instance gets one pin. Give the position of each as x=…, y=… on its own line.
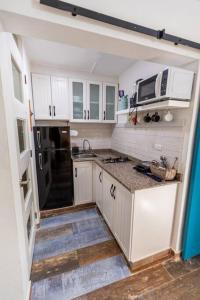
x=123, y=172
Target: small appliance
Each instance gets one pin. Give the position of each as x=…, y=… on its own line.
x=171, y=83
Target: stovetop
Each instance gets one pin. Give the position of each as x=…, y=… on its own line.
x=111, y=160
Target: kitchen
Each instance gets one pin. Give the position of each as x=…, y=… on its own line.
x=111, y=147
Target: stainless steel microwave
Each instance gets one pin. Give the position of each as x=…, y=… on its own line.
x=171, y=83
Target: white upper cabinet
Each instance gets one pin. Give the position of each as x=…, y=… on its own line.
x=110, y=95
x=74, y=99
x=94, y=101
x=78, y=100
x=51, y=97
x=42, y=96
x=60, y=99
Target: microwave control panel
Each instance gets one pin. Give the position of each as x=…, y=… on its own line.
x=164, y=82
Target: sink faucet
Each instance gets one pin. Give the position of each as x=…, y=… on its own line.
x=86, y=141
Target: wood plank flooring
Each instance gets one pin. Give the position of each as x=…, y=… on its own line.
x=74, y=254
x=95, y=268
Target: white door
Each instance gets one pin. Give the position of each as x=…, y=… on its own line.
x=60, y=98
x=99, y=187
x=110, y=96
x=78, y=100
x=82, y=182
x=108, y=199
x=123, y=206
x=94, y=101
x=17, y=119
x=42, y=96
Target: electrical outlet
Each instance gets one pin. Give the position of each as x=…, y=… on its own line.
x=158, y=147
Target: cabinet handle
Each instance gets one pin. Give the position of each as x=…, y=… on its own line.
x=111, y=191
x=104, y=115
x=76, y=173
x=100, y=177
x=38, y=138
x=50, y=110
x=40, y=161
x=84, y=114
x=54, y=110
x=25, y=182
x=88, y=114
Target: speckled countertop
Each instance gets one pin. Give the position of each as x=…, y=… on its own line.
x=123, y=172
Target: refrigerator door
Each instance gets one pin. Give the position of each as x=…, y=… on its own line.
x=54, y=171
x=59, y=137
x=51, y=137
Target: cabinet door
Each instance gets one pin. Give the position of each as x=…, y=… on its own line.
x=109, y=102
x=82, y=182
x=94, y=101
x=107, y=199
x=42, y=96
x=99, y=187
x=60, y=98
x=123, y=206
x=78, y=100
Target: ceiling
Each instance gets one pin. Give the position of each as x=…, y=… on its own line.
x=76, y=59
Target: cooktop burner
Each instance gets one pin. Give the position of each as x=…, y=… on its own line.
x=119, y=159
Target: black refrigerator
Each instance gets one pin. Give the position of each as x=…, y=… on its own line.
x=54, y=166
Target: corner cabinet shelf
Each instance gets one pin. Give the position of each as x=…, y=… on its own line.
x=168, y=104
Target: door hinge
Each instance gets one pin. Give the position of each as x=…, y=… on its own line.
x=25, y=81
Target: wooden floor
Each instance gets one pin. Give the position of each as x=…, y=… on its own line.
x=96, y=267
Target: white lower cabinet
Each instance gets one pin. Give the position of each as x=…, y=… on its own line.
x=142, y=222
x=98, y=186
x=123, y=212
x=82, y=182
x=117, y=211
x=108, y=199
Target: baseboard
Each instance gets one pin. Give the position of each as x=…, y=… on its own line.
x=63, y=210
x=151, y=260
x=28, y=295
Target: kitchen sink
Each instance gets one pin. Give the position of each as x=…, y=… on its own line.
x=85, y=155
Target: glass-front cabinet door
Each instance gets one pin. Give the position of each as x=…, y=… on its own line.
x=109, y=102
x=78, y=100
x=94, y=101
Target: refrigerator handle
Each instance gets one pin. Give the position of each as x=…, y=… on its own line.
x=54, y=110
x=75, y=172
x=38, y=138
x=104, y=115
x=50, y=110
x=40, y=161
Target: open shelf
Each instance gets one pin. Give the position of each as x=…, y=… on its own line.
x=168, y=104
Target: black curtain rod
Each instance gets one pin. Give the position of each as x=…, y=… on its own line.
x=159, y=34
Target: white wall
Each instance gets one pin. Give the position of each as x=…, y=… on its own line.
x=171, y=15
x=51, y=70
x=140, y=140
x=99, y=135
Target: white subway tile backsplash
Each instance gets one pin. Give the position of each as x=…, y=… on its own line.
x=141, y=142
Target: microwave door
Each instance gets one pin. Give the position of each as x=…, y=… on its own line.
x=147, y=90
